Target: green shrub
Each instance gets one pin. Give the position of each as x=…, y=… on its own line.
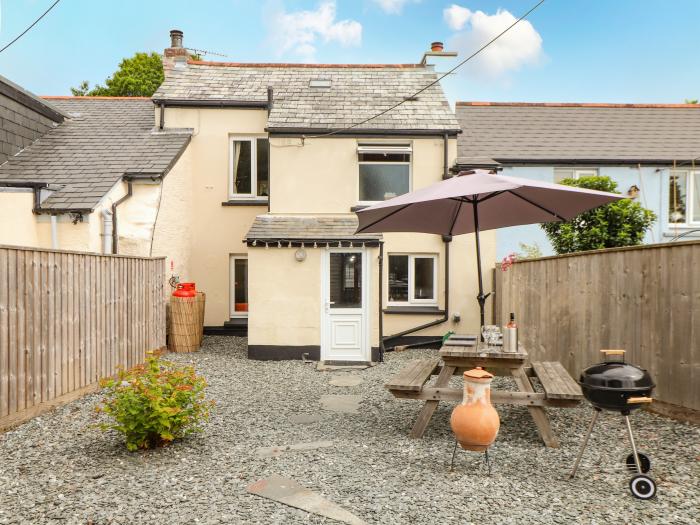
x=155, y=403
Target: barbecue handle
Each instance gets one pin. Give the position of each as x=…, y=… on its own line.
x=635, y=400
x=613, y=352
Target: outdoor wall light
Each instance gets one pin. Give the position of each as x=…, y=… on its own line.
x=300, y=255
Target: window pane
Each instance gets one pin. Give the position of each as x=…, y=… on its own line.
x=346, y=280
x=241, y=167
x=263, y=165
x=398, y=278
x=424, y=278
x=385, y=157
x=240, y=268
x=696, y=196
x=563, y=173
x=676, y=205
x=379, y=182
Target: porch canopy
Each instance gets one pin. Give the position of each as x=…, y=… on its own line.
x=295, y=230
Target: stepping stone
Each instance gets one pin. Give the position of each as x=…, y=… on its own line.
x=305, y=419
x=266, y=452
x=323, y=367
x=345, y=380
x=289, y=492
x=343, y=404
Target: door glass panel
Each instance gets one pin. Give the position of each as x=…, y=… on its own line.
x=240, y=272
x=242, y=167
x=423, y=278
x=677, y=189
x=346, y=280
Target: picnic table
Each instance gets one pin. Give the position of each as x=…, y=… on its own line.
x=460, y=353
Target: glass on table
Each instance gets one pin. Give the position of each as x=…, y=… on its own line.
x=491, y=335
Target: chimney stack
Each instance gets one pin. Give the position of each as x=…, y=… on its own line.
x=175, y=55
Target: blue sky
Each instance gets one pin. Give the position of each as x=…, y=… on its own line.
x=571, y=50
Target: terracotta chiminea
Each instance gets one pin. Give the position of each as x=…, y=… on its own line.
x=475, y=422
x=436, y=47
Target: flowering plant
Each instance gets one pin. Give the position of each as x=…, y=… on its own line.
x=155, y=403
x=507, y=262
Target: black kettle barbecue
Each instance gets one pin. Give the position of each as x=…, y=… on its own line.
x=620, y=387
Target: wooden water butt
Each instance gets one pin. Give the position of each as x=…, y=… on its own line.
x=185, y=331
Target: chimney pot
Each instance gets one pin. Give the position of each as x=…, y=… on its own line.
x=175, y=38
x=437, y=47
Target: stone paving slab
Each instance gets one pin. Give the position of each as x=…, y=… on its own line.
x=342, y=403
x=345, y=380
x=267, y=452
x=289, y=492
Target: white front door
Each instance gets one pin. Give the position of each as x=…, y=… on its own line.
x=344, y=329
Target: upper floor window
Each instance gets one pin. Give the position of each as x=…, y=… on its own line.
x=385, y=171
x=573, y=173
x=250, y=175
x=684, y=198
x=412, y=279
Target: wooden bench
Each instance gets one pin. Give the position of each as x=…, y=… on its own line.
x=556, y=381
x=412, y=377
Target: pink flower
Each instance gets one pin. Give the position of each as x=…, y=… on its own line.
x=507, y=262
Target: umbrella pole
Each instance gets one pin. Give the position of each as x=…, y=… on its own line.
x=481, y=298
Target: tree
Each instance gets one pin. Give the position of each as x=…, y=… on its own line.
x=620, y=223
x=138, y=76
x=691, y=100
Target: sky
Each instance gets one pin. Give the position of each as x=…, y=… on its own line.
x=632, y=51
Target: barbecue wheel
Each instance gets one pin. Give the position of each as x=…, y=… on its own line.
x=644, y=462
x=642, y=487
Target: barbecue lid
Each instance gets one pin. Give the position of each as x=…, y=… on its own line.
x=615, y=373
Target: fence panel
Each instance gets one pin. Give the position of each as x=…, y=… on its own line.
x=68, y=319
x=643, y=299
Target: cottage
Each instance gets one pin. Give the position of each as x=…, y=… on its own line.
x=247, y=178
x=650, y=150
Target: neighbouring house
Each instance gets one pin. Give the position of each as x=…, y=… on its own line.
x=650, y=150
x=246, y=178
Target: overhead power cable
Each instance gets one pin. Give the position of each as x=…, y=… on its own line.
x=33, y=24
x=414, y=95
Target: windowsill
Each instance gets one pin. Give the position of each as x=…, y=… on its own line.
x=413, y=310
x=262, y=201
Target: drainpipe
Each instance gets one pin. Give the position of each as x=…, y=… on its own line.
x=115, y=236
x=381, y=301
x=446, y=239
x=54, y=232
x=446, y=169
x=107, y=232
x=162, y=116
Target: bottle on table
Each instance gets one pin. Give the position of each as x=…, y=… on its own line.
x=512, y=331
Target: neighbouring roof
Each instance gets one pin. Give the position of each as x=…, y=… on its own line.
x=305, y=228
x=104, y=139
x=570, y=133
x=30, y=100
x=356, y=92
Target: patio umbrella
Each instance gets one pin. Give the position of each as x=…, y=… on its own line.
x=477, y=201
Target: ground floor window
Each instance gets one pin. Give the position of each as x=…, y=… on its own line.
x=239, y=286
x=684, y=198
x=412, y=279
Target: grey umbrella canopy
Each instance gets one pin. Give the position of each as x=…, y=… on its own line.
x=479, y=201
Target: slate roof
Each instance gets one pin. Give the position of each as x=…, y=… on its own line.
x=295, y=227
x=570, y=133
x=104, y=139
x=357, y=92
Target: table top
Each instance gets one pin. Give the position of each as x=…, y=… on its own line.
x=452, y=349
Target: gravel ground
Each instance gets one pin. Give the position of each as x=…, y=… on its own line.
x=58, y=469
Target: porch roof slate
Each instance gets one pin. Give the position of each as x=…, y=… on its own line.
x=103, y=140
x=356, y=92
x=300, y=228
x=593, y=133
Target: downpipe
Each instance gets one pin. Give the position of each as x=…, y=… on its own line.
x=115, y=237
x=107, y=231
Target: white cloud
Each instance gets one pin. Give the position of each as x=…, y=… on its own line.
x=456, y=16
x=393, y=7
x=298, y=32
x=521, y=46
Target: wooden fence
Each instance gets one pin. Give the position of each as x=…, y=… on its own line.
x=643, y=299
x=68, y=319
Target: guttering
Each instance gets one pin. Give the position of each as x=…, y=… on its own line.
x=115, y=237
x=287, y=241
x=35, y=186
x=446, y=239
x=584, y=162
x=210, y=103
x=355, y=132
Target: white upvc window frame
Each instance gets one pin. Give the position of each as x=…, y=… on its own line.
x=577, y=173
x=253, y=139
x=233, y=314
x=412, y=301
x=401, y=148
x=690, y=190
